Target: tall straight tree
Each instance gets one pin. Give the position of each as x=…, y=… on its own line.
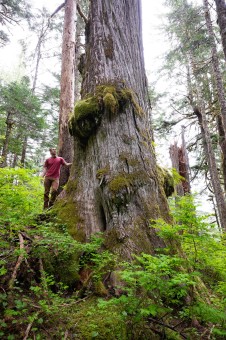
x=216, y=65
x=114, y=185
x=187, y=29
x=221, y=16
x=65, y=145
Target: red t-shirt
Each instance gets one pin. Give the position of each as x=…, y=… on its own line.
x=53, y=165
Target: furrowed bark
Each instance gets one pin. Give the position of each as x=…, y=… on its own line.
x=114, y=185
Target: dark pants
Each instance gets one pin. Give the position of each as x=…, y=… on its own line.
x=53, y=184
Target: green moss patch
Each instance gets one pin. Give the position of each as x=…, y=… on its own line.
x=92, y=321
x=67, y=213
x=86, y=117
x=102, y=172
x=88, y=112
x=127, y=180
x=119, y=182
x=166, y=180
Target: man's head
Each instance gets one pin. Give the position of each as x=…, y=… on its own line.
x=53, y=152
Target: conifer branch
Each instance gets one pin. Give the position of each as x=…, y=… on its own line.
x=82, y=15
x=58, y=9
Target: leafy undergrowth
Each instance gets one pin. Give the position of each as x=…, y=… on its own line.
x=53, y=287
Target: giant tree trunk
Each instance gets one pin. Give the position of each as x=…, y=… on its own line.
x=65, y=145
x=221, y=16
x=114, y=186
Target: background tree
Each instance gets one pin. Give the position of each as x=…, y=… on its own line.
x=21, y=111
x=67, y=85
x=193, y=56
x=221, y=18
x=11, y=12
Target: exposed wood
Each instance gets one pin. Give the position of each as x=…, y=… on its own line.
x=30, y=326
x=18, y=263
x=174, y=155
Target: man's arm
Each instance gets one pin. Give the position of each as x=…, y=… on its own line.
x=44, y=171
x=63, y=162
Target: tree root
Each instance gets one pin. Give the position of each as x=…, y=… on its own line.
x=167, y=326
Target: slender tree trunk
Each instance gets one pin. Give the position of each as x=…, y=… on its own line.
x=210, y=157
x=212, y=98
x=114, y=186
x=24, y=150
x=199, y=111
x=78, y=54
x=65, y=146
x=9, y=126
x=221, y=17
x=222, y=143
x=38, y=57
x=216, y=66
x=15, y=159
x=220, y=199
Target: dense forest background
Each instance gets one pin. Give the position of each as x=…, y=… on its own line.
x=134, y=247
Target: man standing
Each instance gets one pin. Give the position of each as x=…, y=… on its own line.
x=51, y=172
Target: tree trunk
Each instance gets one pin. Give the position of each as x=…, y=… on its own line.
x=210, y=157
x=216, y=66
x=221, y=17
x=65, y=146
x=24, y=150
x=179, y=161
x=210, y=86
x=222, y=143
x=78, y=53
x=15, y=159
x=38, y=56
x=199, y=111
x=184, y=168
x=220, y=200
x=114, y=186
x=174, y=155
x=9, y=126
